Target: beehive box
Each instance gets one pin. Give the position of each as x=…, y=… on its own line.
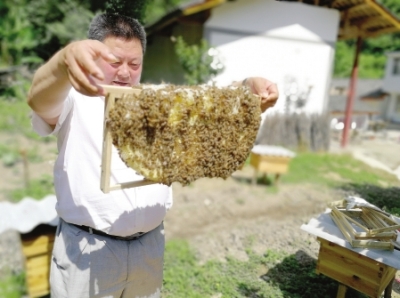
x=37, y=247
x=270, y=160
x=269, y=164
x=354, y=270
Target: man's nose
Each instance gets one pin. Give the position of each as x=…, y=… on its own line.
x=123, y=71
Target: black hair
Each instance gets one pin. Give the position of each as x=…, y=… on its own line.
x=105, y=25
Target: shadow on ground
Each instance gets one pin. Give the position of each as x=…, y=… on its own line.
x=386, y=198
x=296, y=278
x=262, y=180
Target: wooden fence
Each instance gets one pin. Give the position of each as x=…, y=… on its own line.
x=303, y=132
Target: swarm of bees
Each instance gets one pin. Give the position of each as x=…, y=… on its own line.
x=171, y=133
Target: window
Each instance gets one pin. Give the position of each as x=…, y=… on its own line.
x=396, y=66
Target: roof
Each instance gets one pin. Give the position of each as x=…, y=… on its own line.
x=27, y=214
x=190, y=8
x=364, y=18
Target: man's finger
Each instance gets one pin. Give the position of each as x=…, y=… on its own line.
x=81, y=89
x=90, y=67
x=273, y=91
x=79, y=78
x=107, y=56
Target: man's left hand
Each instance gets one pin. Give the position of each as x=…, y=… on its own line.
x=264, y=88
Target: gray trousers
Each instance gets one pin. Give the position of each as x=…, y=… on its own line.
x=87, y=265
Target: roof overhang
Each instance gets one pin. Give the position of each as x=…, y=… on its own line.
x=360, y=18
x=193, y=8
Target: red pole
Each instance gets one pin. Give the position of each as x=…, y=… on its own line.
x=350, y=96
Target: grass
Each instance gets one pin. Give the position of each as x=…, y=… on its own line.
x=10, y=154
x=277, y=274
x=13, y=286
x=274, y=274
x=15, y=119
x=334, y=170
x=37, y=189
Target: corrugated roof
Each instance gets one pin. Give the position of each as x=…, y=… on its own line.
x=28, y=214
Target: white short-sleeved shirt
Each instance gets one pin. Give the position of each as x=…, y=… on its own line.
x=77, y=171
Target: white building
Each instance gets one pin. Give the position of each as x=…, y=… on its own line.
x=290, y=43
x=391, y=85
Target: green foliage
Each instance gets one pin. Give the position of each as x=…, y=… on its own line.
x=135, y=9
x=57, y=22
x=13, y=286
x=37, y=189
x=371, y=62
x=18, y=86
x=158, y=8
x=199, y=66
x=17, y=40
x=392, y=5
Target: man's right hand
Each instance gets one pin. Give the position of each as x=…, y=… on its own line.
x=78, y=60
x=75, y=65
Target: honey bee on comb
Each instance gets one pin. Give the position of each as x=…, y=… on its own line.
x=170, y=133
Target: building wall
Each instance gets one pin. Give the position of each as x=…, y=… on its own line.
x=391, y=84
x=393, y=109
x=284, y=42
x=391, y=81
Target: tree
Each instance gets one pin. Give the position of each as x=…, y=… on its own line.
x=197, y=61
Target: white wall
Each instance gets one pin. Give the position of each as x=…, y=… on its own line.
x=391, y=82
x=276, y=39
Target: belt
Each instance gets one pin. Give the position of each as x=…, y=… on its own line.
x=101, y=233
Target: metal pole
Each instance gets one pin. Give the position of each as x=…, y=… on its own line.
x=350, y=96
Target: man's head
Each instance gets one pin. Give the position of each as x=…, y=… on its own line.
x=106, y=25
x=126, y=40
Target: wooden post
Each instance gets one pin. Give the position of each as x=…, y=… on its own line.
x=341, y=293
x=351, y=94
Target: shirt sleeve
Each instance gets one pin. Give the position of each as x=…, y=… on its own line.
x=42, y=128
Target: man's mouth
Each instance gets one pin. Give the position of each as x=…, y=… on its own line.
x=120, y=83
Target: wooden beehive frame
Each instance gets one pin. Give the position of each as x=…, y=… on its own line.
x=113, y=94
x=378, y=229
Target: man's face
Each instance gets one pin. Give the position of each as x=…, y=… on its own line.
x=127, y=69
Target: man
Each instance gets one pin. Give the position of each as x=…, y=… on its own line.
x=107, y=245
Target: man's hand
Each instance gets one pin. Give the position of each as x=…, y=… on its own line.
x=264, y=88
x=78, y=60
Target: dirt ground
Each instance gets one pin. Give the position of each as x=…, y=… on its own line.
x=222, y=217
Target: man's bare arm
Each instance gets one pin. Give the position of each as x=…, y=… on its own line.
x=73, y=66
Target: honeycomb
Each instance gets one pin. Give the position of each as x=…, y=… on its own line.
x=172, y=133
